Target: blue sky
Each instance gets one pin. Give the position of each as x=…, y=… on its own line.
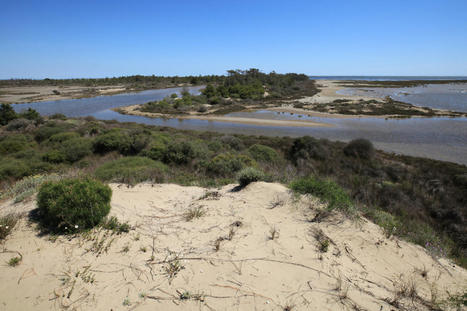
x=62, y=39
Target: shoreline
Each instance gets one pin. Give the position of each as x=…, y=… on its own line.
x=131, y=110
x=45, y=93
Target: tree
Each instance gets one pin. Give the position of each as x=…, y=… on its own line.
x=7, y=113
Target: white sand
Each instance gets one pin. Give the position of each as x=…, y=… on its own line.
x=361, y=269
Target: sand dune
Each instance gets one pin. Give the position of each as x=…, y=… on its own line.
x=253, y=249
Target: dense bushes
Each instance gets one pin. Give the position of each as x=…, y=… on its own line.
x=361, y=148
x=73, y=204
x=7, y=113
x=121, y=141
x=14, y=143
x=249, y=175
x=10, y=167
x=327, y=190
x=306, y=148
x=263, y=153
x=131, y=170
x=226, y=164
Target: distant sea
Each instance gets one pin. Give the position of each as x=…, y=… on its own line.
x=388, y=78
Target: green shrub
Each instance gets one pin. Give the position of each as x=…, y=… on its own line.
x=263, y=153
x=228, y=163
x=328, y=191
x=76, y=148
x=249, y=175
x=388, y=222
x=59, y=138
x=360, y=148
x=7, y=114
x=73, y=205
x=306, y=148
x=14, y=143
x=15, y=168
x=184, y=152
x=19, y=124
x=112, y=141
x=58, y=116
x=51, y=128
x=54, y=156
x=233, y=142
x=131, y=170
x=32, y=115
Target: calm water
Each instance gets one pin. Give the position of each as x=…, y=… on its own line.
x=94, y=105
x=388, y=78
x=438, y=138
x=441, y=96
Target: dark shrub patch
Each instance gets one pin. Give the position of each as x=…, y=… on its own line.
x=131, y=170
x=359, y=148
x=58, y=116
x=249, y=175
x=19, y=124
x=73, y=204
x=183, y=152
x=263, y=153
x=49, y=129
x=76, y=148
x=233, y=142
x=114, y=140
x=10, y=167
x=225, y=164
x=54, y=156
x=7, y=114
x=305, y=148
x=14, y=143
x=58, y=139
x=32, y=115
x=328, y=191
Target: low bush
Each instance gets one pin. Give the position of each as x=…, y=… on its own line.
x=263, y=153
x=57, y=116
x=226, y=164
x=359, y=148
x=57, y=139
x=76, y=148
x=388, y=222
x=131, y=170
x=184, y=152
x=249, y=175
x=51, y=128
x=73, y=205
x=14, y=143
x=19, y=124
x=14, y=168
x=54, y=156
x=114, y=140
x=328, y=191
x=307, y=148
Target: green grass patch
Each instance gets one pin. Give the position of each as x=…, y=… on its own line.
x=328, y=191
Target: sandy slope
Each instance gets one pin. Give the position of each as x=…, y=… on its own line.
x=361, y=269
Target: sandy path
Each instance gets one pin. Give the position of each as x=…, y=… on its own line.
x=362, y=268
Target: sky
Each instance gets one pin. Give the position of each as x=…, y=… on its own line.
x=70, y=39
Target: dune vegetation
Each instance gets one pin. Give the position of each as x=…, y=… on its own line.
x=419, y=199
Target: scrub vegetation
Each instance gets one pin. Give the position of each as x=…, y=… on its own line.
x=234, y=92
x=420, y=199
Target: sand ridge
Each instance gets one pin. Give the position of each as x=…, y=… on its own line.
x=250, y=249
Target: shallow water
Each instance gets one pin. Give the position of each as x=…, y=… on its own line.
x=438, y=138
x=441, y=96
